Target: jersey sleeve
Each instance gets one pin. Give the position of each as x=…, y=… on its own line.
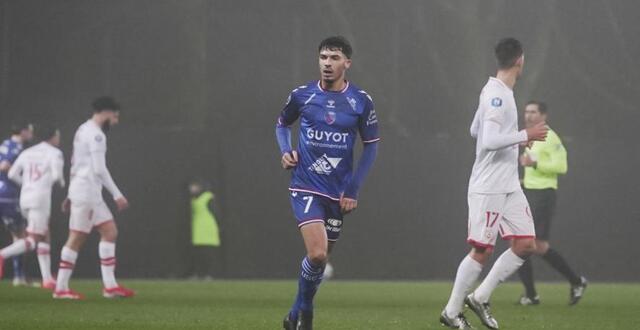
x=291, y=110
x=5, y=153
x=57, y=168
x=15, y=172
x=368, y=122
x=98, y=143
x=556, y=163
x=494, y=108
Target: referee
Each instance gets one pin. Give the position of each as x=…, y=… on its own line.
x=542, y=164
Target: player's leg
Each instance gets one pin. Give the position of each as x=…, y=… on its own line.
x=44, y=261
x=38, y=230
x=310, y=213
x=516, y=225
x=484, y=213
x=16, y=225
x=107, y=252
x=81, y=221
x=541, y=212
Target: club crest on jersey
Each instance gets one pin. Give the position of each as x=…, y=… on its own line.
x=330, y=117
x=325, y=165
x=352, y=103
x=331, y=104
x=496, y=102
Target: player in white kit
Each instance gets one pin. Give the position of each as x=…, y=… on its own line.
x=497, y=205
x=89, y=174
x=36, y=170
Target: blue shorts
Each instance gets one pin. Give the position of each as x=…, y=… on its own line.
x=310, y=208
x=12, y=218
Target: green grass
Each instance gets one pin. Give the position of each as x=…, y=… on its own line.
x=249, y=305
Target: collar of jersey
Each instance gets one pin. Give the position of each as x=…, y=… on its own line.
x=326, y=91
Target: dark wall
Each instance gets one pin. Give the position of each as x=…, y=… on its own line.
x=202, y=83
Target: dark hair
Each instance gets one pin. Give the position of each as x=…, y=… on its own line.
x=16, y=128
x=508, y=51
x=46, y=132
x=337, y=43
x=105, y=103
x=542, y=107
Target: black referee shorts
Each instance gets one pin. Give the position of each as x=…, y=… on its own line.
x=543, y=206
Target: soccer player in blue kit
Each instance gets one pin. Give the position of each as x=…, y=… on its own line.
x=9, y=192
x=324, y=187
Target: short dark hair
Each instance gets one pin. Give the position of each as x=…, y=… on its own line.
x=508, y=51
x=46, y=132
x=16, y=128
x=105, y=103
x=542, y=107
x=337, y=43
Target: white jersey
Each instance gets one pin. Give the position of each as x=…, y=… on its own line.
x=37, y=169
x=88, y=170
x=496, y=171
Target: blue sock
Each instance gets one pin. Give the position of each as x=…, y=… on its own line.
x=17, y=266
x=310, y=279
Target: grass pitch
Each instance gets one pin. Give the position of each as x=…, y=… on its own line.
x=250, y=305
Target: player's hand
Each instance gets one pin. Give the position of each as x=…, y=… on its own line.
x=347, y=204
x=538, y=132
x=66, y=206
x=526, y=161
x=122, y=203
x=290, y=160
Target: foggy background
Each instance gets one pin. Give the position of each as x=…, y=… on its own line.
x=202, y=82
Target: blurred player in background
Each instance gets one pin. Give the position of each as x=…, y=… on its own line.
x=497, y=204
x=323, y=188
x=36, y=170
x=89, y=174
x=542, y=163
x=21, y=134
x=205, y=233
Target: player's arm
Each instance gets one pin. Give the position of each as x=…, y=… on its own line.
x=5, y=160
x=98, y=150
x=368, y=128
x=15, y=171
x=57, y=169
x=288, y=116
x=556, y=163
x=493, y=139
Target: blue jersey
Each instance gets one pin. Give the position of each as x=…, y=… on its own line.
x=9, y=151
x=329, y=125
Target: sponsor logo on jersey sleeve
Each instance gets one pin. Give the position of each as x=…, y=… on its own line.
x=496, y=102
x=98, y=138
x=373, y=118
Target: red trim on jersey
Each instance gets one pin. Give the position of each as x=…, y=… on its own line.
x=315, y=193
x=477, y=244
x=508, y=237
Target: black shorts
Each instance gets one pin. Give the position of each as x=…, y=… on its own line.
x=543, y=206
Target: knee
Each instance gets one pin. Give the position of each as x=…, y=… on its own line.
x=318, y=256
x=481, y=254
x=542, y=247
x=109, y=233
x=524, y=247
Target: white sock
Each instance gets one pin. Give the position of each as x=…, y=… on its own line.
x=506, y=265
x=44, y=260
x=67, y=262
x=107, y=251
x=18, y=247
x=468, y=272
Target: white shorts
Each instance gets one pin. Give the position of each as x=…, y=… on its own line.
x=37, y=220
x=492, y=214
x=86, y=215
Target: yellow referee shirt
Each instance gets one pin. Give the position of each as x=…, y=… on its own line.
x=551, y=158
